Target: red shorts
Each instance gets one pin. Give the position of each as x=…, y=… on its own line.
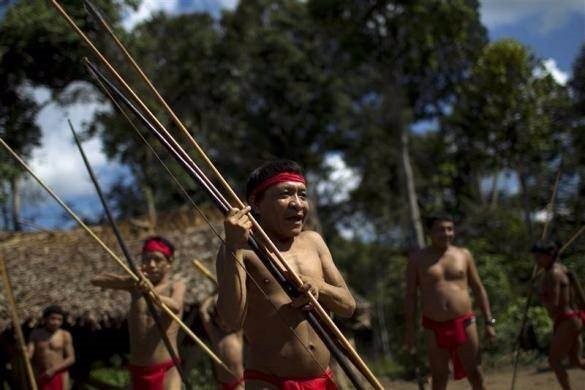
x=56, y=382
x=450, y=335
x=323, y=382
x=568, y=315
x=149, y=377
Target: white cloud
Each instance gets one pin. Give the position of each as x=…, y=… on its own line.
x=149, y=7
x=340, y=181
x=551, y=67
x=549, y=14
x=58, y=161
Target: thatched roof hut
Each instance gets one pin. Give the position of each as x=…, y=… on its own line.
x=56, y=266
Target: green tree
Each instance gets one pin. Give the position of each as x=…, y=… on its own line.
x=509, y=116
x=402, y=61
x=31, y=33
x=178, y=54
x=575, y=159
x=283, y=100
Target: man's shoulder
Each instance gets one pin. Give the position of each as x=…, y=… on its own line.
x=65, y=333
x=460, y=250
x=311, y=235
x=558, y=271
x=310, y=239
x=178, y=285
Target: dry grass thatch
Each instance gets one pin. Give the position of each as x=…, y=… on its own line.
x=56, y=267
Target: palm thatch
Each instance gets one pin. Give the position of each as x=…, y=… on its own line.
x=55, y=267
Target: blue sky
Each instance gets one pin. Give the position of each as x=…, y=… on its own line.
x=554, y=30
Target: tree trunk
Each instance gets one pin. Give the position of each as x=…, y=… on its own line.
x=494, y=191
x=415, y=217
x=15, y=192
x=150, y=205
x=525, y=201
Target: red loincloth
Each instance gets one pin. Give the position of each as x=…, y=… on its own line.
x=149, y=377
x=450, y=335
x=56, y=382
x=567, y=315
x=323, y=382
x=232, y=385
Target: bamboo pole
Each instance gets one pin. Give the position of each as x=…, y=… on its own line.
x=535, y=274
x=323, y=315
x=319, y=310
x=204, y=271
x=134, y=277
x=16, y=323
x=568, y=243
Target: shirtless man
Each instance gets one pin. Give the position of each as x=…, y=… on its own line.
x=229, y=346
x=569, y=322
x=50, y=349
x=274, y=357
x=151, y=366
x=444, y=273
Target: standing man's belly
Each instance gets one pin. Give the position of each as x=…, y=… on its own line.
x=445, y=301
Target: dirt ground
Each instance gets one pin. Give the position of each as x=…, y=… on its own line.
x=528, y=378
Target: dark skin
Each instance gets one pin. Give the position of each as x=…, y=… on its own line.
x=443, y=273
x=51, y=349
x=146, y=344
x=555, y=295
x=228, y=345
x=282, y=209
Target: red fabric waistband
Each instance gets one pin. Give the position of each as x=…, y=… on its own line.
x=568, y=315
x=56, y=382
x=323, y=382
x=149, y=377
x=450, y=335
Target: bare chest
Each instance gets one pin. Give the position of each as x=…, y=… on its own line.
x=50, y=343
x=300, y=260
x=139, y=307
x=446, y=268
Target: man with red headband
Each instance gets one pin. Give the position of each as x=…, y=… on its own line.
x=51, y=351
x=444, y=273
x=151, y=366
x=569, y=321
x=281, y=350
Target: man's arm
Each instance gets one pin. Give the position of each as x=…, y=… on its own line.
x=410, y=302
x=175, y=301
x=231, y=274
x=114, y=282
x=30, y=346
x=557, y=279
x=479, y=292
x=332, y=290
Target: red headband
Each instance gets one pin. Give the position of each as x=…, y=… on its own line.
x=155, y=245
x=277, y=179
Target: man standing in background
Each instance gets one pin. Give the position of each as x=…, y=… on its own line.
x=443, y=273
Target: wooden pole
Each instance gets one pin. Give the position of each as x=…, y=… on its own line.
x=119, y=261
x=204, y=271
x=568, y=243
x=16, y=323
x=550, y=207
x=295, y=279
